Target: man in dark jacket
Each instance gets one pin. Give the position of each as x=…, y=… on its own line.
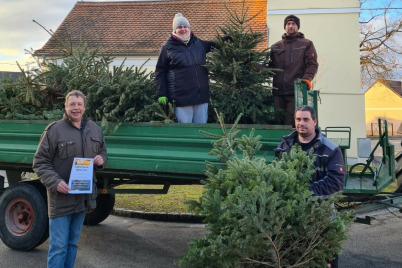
x=62, y=141
x=296, y=58
x=180, y=73
x=329, y=176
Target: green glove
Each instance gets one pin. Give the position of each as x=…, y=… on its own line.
x=162, y=100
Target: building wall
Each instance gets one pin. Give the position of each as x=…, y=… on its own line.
x=149, y=62
x=385, y=103
x=333, y=26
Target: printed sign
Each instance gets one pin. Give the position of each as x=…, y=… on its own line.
x=81, y=176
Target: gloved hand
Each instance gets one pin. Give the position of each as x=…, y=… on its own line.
x=227, y=38
x=307, y=84
x=162, y=100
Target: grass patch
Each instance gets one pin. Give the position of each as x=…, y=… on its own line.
x=173, y=201
x=391, y=188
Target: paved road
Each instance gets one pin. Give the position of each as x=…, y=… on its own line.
x=376, y=245
x=128, y=242
x=118, y=242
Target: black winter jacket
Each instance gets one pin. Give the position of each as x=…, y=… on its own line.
x=329, y=177
x=180, y=72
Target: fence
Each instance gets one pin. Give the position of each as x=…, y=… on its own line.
x=375, y=130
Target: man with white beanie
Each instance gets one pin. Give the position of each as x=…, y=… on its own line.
x=180, y=74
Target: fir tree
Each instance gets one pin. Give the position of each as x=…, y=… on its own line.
x=114, y=94
x=263, y=214
x=237, y=85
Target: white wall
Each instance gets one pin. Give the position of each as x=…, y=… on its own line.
x=333, y=26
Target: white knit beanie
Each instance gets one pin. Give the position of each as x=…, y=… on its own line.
x=179, y=20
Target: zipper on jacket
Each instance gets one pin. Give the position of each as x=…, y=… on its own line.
x=196, y=75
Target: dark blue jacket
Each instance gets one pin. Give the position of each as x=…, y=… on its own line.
x=329, y=176
x=180, y=72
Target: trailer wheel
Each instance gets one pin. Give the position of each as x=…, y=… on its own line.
x=104, y=206
x=358, y=173
x=23, y=217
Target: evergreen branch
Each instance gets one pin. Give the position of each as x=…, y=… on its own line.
x=212, y=135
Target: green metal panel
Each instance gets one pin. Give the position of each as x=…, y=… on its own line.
x=174, y=153
x=303, y=96
x=140, y=150
x=373, y=180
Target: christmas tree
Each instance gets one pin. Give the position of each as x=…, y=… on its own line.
x=263, y=214
x=115, y=94
x=237, y=84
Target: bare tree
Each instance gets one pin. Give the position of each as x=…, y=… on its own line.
x=380, y=50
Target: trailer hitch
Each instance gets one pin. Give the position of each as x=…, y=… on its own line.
x=365, y=220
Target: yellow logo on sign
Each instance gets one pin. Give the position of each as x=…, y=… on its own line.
x=82, y=162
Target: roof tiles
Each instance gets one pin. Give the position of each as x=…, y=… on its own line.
x=141, y=27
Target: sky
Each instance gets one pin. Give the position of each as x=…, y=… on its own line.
x=18, y=32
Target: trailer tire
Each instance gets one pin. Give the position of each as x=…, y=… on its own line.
x=104, y=206
x=24, y=224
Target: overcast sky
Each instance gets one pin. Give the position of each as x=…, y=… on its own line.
x=19, y=32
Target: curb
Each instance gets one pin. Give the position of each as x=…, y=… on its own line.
x=159, y=216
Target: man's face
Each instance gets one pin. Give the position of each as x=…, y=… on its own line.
x=182, y=30
x=75, y=108
x=305, y=125
x=291, y=27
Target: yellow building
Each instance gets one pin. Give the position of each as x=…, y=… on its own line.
x=383, y=99
x=333, y=26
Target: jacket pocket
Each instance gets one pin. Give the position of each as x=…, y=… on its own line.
x=298, y=54
x=278, y=58
x=96, y=144
x=66, y=149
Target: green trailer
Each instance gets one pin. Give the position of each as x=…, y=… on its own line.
x=145, y=153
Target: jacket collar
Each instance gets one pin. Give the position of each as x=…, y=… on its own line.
x=286, y=37
x=289, y=139
x=84, y=121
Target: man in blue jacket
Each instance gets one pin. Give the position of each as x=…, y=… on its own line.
x=329, y=176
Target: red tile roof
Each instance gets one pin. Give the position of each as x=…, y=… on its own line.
x=395, y=86
x=140, y=27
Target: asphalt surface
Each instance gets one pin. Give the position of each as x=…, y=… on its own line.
x=132, y=242
x=376, y=245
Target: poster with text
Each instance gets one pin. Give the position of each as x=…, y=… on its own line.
x=81, y=176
